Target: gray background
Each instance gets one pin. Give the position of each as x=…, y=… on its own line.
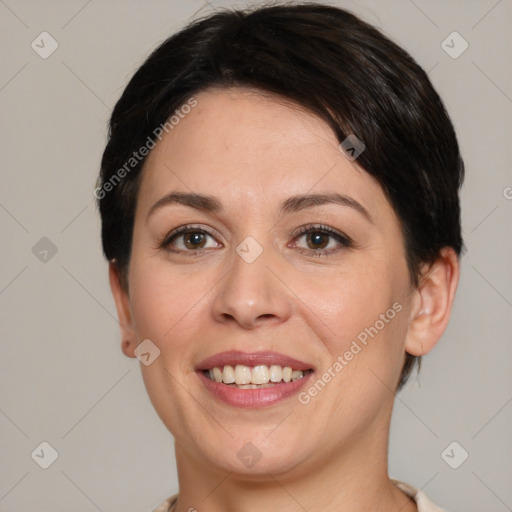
x=63, y=377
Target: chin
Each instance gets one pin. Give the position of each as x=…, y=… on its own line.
x=253, y=459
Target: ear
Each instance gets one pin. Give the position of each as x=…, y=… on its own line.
x=122, y=301
x=433, y=303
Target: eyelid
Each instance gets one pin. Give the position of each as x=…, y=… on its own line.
x=165, y=241
x=343, y=240
x=321, y=228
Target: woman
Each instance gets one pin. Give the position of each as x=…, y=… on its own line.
x=279, y=202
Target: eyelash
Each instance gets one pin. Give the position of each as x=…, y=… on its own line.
x=345, y=241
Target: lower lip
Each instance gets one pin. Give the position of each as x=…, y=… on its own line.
x=253, y=398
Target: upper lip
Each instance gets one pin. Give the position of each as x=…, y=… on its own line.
x=235, y=357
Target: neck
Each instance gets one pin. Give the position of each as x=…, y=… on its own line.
x=352, y=478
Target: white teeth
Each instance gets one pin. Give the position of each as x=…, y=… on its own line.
x=242, y=374
x=260, y=375
x=228, y=375
x=276, y=373
x=253, y=386
x=297, y=374
x=247, y=377
x=217, y=374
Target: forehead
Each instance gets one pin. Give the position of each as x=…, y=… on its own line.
x=241, y=143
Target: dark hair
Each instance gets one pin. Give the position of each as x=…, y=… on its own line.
x=333, y=64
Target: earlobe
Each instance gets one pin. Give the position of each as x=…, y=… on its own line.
x=432, y=309
x=122, y=302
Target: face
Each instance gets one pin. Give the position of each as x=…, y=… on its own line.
x=265, y=275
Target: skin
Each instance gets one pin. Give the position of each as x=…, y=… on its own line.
x=252, y=151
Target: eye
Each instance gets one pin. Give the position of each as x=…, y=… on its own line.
x=187, y=239
x=321, y=240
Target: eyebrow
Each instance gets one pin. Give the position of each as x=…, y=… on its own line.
x=292, y=204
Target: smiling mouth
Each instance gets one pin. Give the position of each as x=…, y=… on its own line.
x=254, y=377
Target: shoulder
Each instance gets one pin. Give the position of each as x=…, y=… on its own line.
x=422, y=502
x=166, y=505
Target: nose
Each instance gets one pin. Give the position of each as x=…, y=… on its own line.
x=252, y=293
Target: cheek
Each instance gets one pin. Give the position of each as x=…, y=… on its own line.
x=162, y=300
x=346, y=301
x=359, y=314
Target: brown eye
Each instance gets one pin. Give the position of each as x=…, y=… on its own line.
x=317, y=239
x=321, y=241
x=194, y=240
x=188, y=239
